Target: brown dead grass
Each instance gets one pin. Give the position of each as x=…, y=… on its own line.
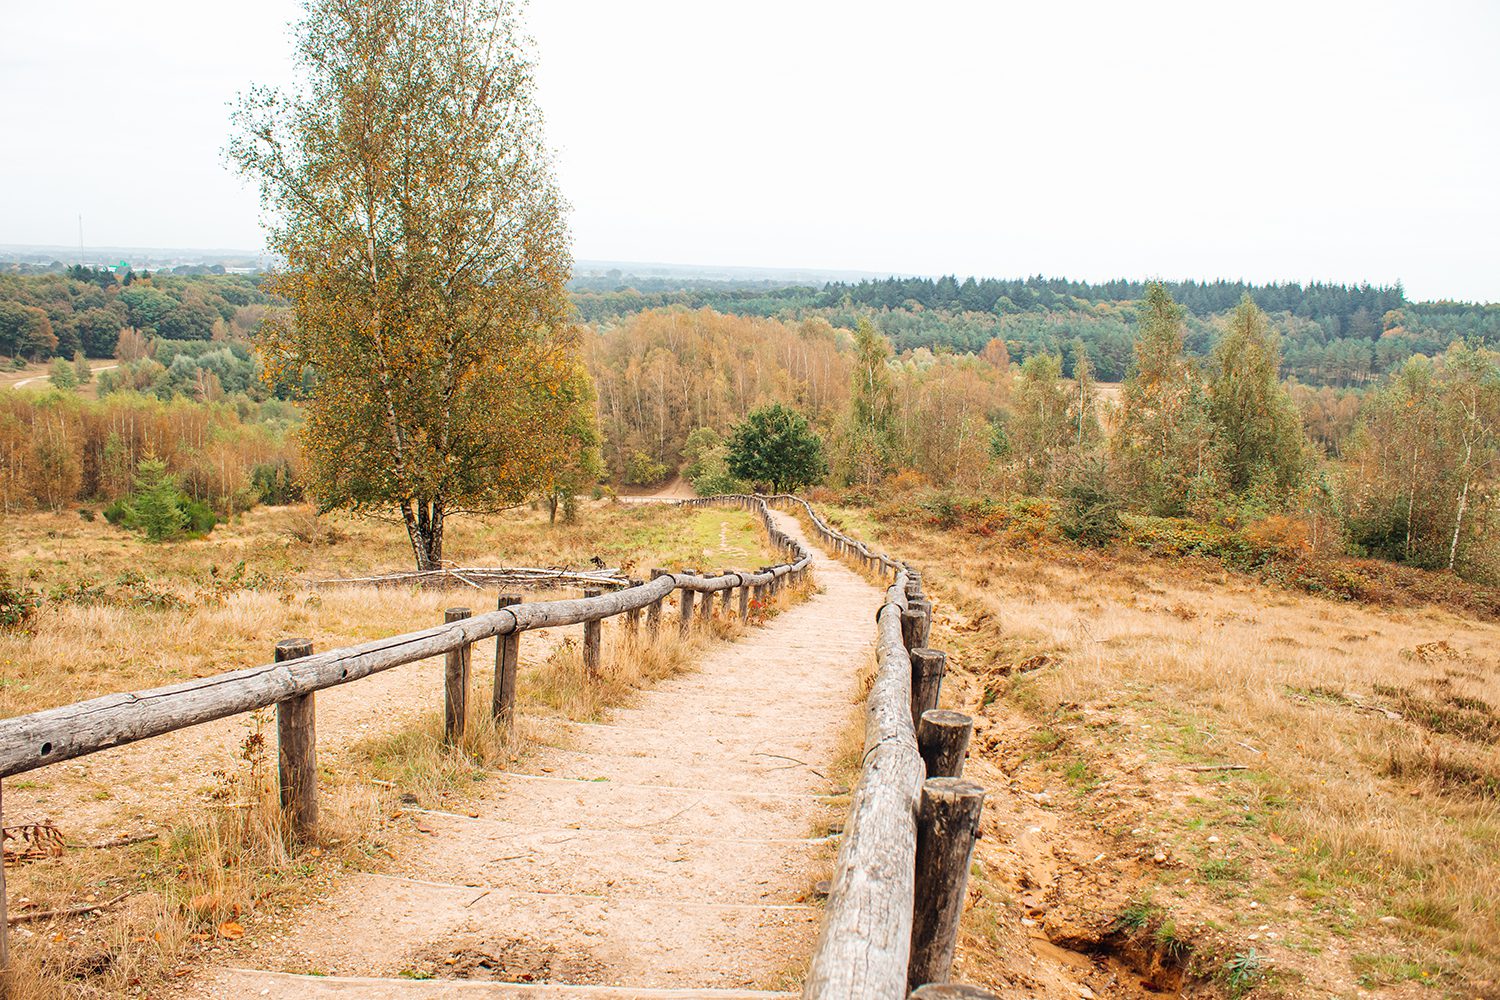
x=1362, y=821
x=224, y=856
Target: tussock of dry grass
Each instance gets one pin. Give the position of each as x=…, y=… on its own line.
x=1371, y=781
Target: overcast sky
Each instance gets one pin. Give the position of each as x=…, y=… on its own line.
x=1269, y=140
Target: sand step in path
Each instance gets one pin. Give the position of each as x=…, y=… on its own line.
x=666, y=854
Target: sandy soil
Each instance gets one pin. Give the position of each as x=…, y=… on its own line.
x=670, y=852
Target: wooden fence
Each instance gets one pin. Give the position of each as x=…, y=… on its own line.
x=897, y=894
x=901, y=875
x=289, y=682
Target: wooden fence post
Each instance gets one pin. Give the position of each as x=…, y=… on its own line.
x=297, y=751
x=4, y=925
x=924, y=608
x=947, y=826
x=943, y=742
x=633, y=618
x=744, y=600
x=685, y=602
x=455, y=684
x=728, y=595
x=593, y=634
x=653, y=612
x=911, y=628
x=927, y=667
x=507, y=658
x=706, y=607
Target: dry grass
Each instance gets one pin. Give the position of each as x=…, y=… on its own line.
x=1364, y=825
x=221, y=854
x=125, y=613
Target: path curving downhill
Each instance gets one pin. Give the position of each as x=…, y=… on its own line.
x=667, y=854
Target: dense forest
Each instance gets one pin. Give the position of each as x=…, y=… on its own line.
x=1403, y=469
x=1379, y=438
x=1332, y=335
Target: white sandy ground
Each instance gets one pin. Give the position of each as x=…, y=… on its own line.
x=669, y=853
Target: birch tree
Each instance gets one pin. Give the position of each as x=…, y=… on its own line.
x=409, y=191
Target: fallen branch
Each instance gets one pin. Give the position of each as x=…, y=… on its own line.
x=139, y=838
x=1221, y=767
x=66, y=911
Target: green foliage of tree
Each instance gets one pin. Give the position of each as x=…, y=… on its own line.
x=707, y=468
x=1089, y=505
x=275, y=483
x=25, y=331
x=582, y=467
x=1040, y=428
x=865, y=443
x=1164, y=447
x=1259, y=430
x=62, y=375
x=1083, y=399
x=774, y=445
x=147, y=308
x=81, y=369
x=643, y=470
x=1423, y=463
x=158, y=508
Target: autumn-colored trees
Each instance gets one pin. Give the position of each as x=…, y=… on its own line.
x=1423, y=465
x=59, y=449
x=411, y=194
x=662, y=375
x=1218, y=437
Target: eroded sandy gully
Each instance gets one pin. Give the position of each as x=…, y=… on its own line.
x=669, y=852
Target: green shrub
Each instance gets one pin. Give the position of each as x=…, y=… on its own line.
x=274, y=483
x=17, y=605
x=642, y=470
x=1089, y=508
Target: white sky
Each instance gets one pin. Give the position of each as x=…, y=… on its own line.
x=1294, y=140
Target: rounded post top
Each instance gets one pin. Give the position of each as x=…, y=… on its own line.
x=928, y=657
x=293, y=649
x=456, y=614
x=506, y=600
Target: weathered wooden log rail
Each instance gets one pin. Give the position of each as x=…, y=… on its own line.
x=39, y=739
x=482, y=577
x=891, y=923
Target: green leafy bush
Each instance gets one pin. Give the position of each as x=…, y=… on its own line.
x=1089, y=511
x=17, y=605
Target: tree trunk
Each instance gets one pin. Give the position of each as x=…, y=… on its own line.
x=424, y=526
x=1463, y=503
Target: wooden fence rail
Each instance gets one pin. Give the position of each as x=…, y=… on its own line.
x=58, y=734
x=866, y=949
x=894, y=903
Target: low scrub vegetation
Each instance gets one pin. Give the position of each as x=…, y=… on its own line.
x=1304, y=788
